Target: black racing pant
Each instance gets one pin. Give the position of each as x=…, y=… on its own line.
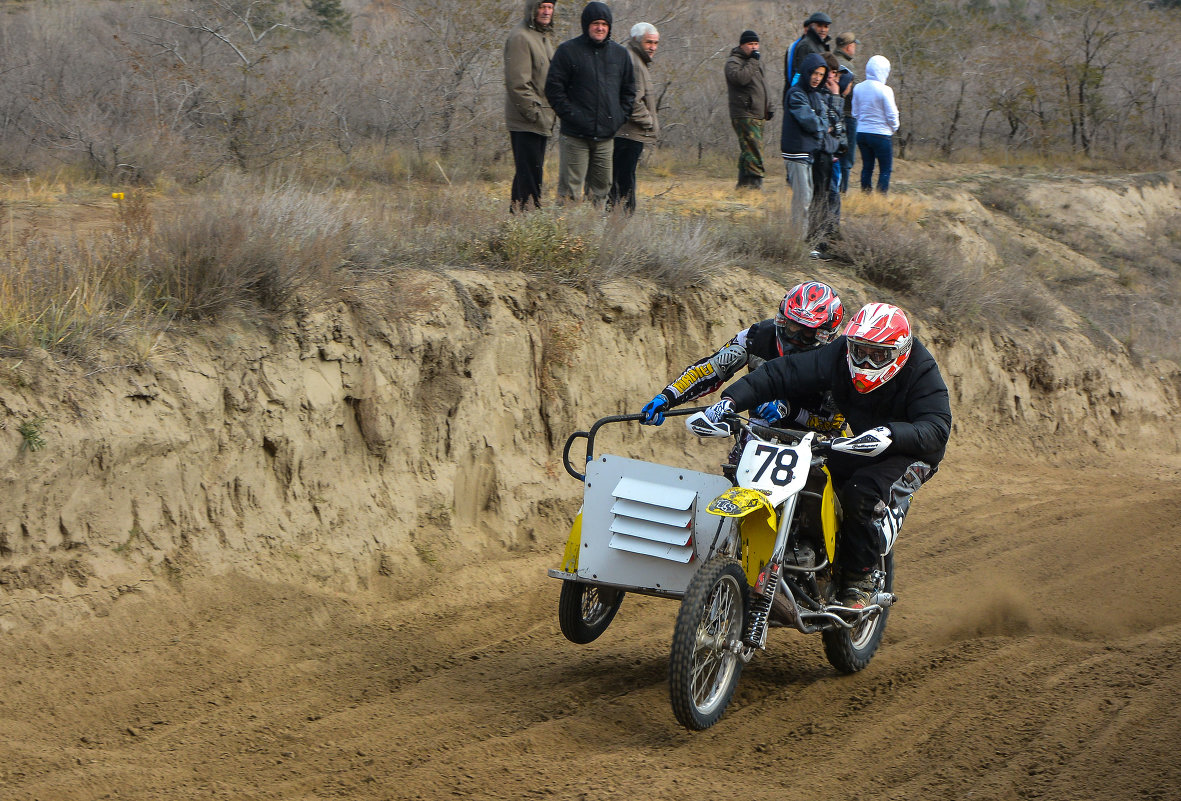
x=875, y=494
x=529, y=156
x=623, y=173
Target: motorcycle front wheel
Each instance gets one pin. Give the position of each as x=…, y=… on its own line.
x=705, y=662
x=585, y=611
x=849, y=650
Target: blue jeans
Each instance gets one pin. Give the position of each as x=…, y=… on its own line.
x=879, y=148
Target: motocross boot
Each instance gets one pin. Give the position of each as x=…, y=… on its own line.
x=857, y=588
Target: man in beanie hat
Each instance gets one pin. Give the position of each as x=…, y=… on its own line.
x=750, y=107
x=642, y=127
x=815, y=39
x=527, y=54
x=591, y=86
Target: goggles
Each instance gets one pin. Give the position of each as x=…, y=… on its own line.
x=871, y=356
x=791, y=331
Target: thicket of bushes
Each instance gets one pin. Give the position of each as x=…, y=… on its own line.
x=372, y=89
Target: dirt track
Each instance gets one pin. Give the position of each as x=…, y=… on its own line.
x=1034, y=654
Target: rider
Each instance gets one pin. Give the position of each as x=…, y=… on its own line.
x=808, y=317
x=879, y=376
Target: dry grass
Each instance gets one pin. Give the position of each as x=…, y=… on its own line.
x=246, y=247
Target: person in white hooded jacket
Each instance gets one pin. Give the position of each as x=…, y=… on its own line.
x=877, y=121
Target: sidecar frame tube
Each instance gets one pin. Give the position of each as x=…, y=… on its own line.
x=589, y=436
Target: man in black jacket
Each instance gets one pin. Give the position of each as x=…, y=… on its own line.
x=814, y=40
x=592, y=88
x=887, y=384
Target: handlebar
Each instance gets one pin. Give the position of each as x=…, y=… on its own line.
x=602, y=421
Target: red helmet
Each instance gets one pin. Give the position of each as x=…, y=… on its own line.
x=808, y=317
x=878, y=343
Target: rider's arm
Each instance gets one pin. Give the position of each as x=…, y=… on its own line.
x=928, y=410
x=705, y=375
x=794, y=378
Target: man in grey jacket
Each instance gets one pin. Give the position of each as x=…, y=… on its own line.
x=750, y=107
x=527, y=113
x=642, y=126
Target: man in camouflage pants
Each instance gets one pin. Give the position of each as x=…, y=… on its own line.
x=750, y=107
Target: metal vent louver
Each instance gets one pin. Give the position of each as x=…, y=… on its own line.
x=653, y=520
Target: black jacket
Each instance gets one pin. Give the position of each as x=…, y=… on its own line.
x=591, y=84
x=805, y=113
x=914, y=404
x=798, y=50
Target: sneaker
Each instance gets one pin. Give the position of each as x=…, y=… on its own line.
x=815, y=254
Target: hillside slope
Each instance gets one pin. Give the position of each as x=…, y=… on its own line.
x=311, y=562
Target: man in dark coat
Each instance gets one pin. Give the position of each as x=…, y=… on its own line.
x=814, y=40
x=592, y=88
x=750, y=107
x=888, y=387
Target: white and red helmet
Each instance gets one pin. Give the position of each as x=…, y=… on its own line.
x=808, y=317
x=878, y=343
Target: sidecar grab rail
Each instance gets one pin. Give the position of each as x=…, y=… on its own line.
x=589, y=436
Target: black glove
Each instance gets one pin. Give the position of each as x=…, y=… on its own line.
x=755, y=55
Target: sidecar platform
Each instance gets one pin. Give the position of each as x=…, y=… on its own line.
x=644, y=526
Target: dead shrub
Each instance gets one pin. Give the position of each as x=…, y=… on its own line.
x=671, y=251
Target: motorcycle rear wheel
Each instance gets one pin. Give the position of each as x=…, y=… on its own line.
x=705, y=664
x=850, y=650
x=585, y=611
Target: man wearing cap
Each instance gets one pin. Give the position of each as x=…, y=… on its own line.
x=750, y=107
x=814, y=40
x=527, y=53
x=591, y=87
x=846, y=51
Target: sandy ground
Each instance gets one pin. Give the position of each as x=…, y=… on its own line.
x=1033, y=654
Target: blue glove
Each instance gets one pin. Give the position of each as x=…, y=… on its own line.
x=654, y=411
x=772, y=412
x=719, y=410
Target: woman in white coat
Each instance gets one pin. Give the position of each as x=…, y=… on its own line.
x=877, y=121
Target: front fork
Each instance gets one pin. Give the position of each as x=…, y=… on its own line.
x=769, y=582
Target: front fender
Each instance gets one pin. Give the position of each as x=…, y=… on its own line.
x=757, y=526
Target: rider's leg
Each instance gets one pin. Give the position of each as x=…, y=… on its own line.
x=875, y=495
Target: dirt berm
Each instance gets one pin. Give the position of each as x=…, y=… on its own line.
x=310, y=562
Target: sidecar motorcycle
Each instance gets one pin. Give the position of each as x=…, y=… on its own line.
x=742, y=556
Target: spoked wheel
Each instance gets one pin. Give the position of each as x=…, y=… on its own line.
x=849, y=650
x=585, y=611
x=705, y=663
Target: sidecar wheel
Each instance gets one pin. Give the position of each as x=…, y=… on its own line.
x=849, y=650
x=585, y=611
x=705, y=664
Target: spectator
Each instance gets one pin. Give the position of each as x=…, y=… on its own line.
x=592, y=88
x=750, y=107
x=642, y=125
x=825, y=212
x=846, y=50
x=527, y=54
x=805, y=122
x=815, y=39
x=877, y=121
